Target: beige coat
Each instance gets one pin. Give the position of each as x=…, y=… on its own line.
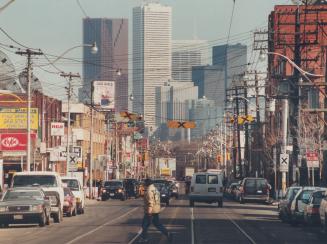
x=152, y=200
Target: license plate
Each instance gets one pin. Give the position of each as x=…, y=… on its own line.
x=18, y=216
x=112, y=194
x=259, y=191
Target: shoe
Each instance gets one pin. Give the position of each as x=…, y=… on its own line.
x=170, y=237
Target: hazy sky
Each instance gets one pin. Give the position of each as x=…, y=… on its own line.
x=56, y=25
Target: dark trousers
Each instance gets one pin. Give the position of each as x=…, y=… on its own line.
x=154, y=218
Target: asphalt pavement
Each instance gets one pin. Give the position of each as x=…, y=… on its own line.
x=116, y=221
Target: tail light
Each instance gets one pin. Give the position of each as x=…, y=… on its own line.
x=313, y=210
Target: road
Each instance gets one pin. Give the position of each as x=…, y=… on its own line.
x=115, y=221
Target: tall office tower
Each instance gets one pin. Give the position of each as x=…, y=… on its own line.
x=111, y=37
x=151, y=57
x=185, y=55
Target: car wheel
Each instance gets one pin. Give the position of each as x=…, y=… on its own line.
x=4, y=225
x=103, y=199
x=242, y=200
x=167, y=203
x=123, y=198
x=43, y=220
x=82, y=210
x=57, y=217
x=220, y=204
x=74, y=212
x=191, y=203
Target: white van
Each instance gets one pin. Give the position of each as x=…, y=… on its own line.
x=207, y=187
x=76, y=187
x=51, y=184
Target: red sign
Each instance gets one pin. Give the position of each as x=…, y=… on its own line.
x=312, y=156
x=14, y=141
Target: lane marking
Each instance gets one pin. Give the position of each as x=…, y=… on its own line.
x=101, y=226
x=192, y=225
x=241, y=230
x=140, y=231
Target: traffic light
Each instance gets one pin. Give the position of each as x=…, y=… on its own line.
x=181, y=124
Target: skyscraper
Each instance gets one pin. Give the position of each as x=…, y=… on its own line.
x=185, y=55
x=151, y=56
x=111, y=37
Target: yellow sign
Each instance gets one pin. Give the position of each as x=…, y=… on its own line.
x=16, y=118
x=165, y=171
x=181, y=124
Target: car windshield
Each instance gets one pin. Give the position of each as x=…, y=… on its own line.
x=306, y=194
x=291, y=192
x=113, y=183
x=72, y=184
x=22, y=195
x=160, y=186
x=317, y=197
x=35, y=180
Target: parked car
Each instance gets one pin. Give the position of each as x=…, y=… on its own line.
x=207, y=187
x=51, y=184
x=69, y=203
x=113, y=189
x=299, y=202
x=311, y=211
x=284, y=205
x=323, y=211
x=254, y=189
x=164, y=190
x=25, y=206
x=75, y=186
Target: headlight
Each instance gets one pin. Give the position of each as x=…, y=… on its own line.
x=37, y=208
x=104, y=190
x=163, y=194
x=120, y=190
x=3, y=209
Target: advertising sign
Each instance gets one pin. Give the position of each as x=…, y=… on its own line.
x=14, y=141
x=104, y=94
x=57, y=129
x=167, y=166
x=16, y=118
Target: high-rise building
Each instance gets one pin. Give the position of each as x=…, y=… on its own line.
x=111, y=37
x=185, y=55
x=233, y=58
x=151, y=57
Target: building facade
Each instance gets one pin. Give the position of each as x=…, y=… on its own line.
x=111, y=37
x=152, y=31
x=185, y=55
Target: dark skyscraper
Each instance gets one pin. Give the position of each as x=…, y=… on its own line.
x=111, y=37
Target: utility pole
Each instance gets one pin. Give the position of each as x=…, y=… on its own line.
x=258, y=126
x=238, y=133
x=246, y=127
x=91, y=155
x=69, y=94
x=29, y=53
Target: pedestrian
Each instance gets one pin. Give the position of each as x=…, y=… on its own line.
x=152, y=211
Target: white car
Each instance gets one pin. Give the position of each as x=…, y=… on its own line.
x=207, y=187
x=76, y=187
x=51, y=184
x=323, y=211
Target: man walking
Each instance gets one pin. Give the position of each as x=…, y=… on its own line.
x=151, y=211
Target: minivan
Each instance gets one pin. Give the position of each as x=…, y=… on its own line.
x=254, y=189
x=207, y=187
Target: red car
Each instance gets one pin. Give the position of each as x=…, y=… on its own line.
x=69, y=203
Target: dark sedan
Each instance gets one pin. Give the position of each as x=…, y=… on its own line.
x=24, y=206
x=113, y=189
x=164, y=192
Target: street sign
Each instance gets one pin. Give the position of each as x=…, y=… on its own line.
x=284, y=162
x=181, y=124
x=312, y=160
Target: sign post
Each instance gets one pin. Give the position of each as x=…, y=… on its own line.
x=312, y=162
x=283, y=167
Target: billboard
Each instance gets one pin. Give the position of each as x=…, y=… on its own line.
x=103, y=94
x=57, y=129
x=166, y=166
x=14, y=141
x=16, y=118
